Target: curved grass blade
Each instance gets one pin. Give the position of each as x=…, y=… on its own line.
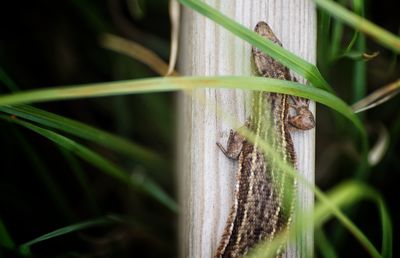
x=295, y=63
x=135, y=51
x=378, y=97
x=360, y=68
x=322, y=243
x=324, y=46
x=358, y=7
x=103, y=221
x=25, y=248
x=335, y=40
x=357, y=22
x=143, y=184
x=182, y=83
x=124, y=146
x=174, y=16
x=349, y=193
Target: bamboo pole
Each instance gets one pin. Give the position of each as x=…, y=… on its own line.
x=206, y=176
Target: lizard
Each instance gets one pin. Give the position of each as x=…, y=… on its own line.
x=258, y=212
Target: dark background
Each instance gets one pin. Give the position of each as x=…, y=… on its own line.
x=54, y=43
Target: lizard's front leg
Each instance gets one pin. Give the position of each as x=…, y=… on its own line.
x=234, y=145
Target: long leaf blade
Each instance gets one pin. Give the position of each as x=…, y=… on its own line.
x=143, y=184
x=84, y=131
x=182, y=83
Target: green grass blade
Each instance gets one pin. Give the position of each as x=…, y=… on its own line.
x=295, y=63
x=360, y=72
x=358, y=6
x=143, y=184
x=359, y=85
x=124, y=146
x=357, y=22
x=97, y=222
x=347, y=194
x=359, y=75
x=182, y=83
x=55, y=192
x=323, y=59
x=25, y=248
x=323, y=244
x=334, y=44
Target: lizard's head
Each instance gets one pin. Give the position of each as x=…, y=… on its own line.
x=303, y=120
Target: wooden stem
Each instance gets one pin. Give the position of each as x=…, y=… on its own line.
x=206, y=176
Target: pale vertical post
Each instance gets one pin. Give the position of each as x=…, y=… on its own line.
x=205, y=176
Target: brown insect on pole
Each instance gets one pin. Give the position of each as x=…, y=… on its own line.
x=206, y=177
